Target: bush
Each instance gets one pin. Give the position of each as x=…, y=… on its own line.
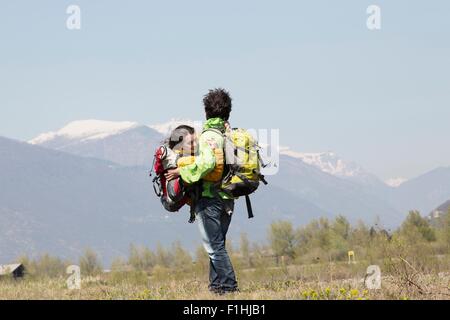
x=44, y=266
x=90, y=263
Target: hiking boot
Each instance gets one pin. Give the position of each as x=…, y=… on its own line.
x=232, y=290
x=216, y=290
x=221, y=290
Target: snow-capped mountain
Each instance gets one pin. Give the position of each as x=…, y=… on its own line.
x=333, y=164
x=84, y=130
x=334, y=194
x=327, y=162
x=131, y=144
x=125, y=143
x=395, y=182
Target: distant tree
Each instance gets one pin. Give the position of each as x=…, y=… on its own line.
x=282, y=238
x=307, y=237
x=47, y=265
x=44, y=265
x=339, y=234
x=163, y=257
x=134, y=257
x=90, y=263
x=341, y=227
x=323, y=234
x=141, y=258
x=118, y=264
x=416, y=224
x=148, y=258
x=360, y=235
x=182, y=260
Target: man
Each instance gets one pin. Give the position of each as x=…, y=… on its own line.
x=214, y=208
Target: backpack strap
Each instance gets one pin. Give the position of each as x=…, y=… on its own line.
x=249, y=206
x=195, y=196
x=218, y=131
x=247, y=197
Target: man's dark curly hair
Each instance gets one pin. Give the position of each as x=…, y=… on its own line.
x=217, y=104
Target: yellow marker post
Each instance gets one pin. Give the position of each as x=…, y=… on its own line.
x=351, y=257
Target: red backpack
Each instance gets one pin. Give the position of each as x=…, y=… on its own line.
x=173, y=194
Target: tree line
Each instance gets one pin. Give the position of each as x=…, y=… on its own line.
x=323, y=240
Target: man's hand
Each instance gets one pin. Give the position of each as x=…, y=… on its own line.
x=172, y=174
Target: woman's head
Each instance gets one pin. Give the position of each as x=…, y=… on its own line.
x=183, y=140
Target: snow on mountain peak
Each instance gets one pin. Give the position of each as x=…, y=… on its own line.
x=327, y=162
x=395, y=182
x=86, y=130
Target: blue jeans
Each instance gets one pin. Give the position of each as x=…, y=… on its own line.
x=214, y=217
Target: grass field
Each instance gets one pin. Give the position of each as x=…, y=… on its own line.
x=310, y=262
x=293, y=282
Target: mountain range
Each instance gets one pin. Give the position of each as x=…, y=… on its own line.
x=87, y=184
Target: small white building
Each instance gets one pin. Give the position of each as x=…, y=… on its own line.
x=17, y=270
x=437, y=214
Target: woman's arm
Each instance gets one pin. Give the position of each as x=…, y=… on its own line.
x=204, y=163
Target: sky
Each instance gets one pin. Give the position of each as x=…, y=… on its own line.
x=311, y=69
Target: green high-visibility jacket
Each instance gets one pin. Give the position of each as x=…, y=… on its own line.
x=205, y=161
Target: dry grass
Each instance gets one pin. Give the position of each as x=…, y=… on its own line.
x=320, y=282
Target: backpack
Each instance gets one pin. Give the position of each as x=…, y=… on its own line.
x=173, y=194
x=242, y=174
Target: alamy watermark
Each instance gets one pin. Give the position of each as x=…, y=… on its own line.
x=73, y=21
x=74, y=280
x=374, y=19
x=372, y=279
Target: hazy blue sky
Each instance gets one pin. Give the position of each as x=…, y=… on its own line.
x=312, y=69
